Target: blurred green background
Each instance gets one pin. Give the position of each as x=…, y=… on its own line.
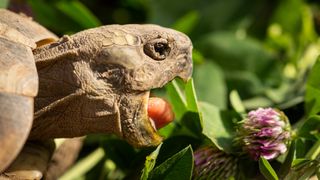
x=262, y=49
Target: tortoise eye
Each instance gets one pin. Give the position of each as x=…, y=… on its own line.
x=157, y=49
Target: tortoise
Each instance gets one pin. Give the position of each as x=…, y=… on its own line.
x=95, y=81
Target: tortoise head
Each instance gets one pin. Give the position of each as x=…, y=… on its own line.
x=151, y=55
x=115, y=67
x=138, y=58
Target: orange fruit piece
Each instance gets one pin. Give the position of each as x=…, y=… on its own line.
x=160, y=111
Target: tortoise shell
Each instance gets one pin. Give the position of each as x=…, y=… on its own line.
x=19, y=36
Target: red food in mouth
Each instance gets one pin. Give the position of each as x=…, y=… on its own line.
x=160, y=112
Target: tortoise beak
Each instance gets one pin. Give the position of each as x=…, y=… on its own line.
x=186, y=69
x=135, y=123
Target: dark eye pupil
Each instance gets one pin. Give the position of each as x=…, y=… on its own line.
x=160, y=48
x=157, y=49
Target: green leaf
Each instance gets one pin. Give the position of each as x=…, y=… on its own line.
x=49, y=16
x=84, y=165
x=79, y=13
x=210, y=84
x=303, y=146
x=244, y=61
x=4, y=3
x=191, y=97
x=213, y=15
x=299, y=163
x=314, y=152
x=179, y=165
x=187, y=22
x=193, y=122
x=289, y=22
x=176, y=98
x=234, y=53
x=312, y=96
x=236, y=102
x=167, y=130
x=267, y=170
x=150, y=163
x=310, y=129
x=185, y=107
x=118, y=151
x=308, y=29
x=308, y=172
x=218, y=126
x=197, y=58
x=286, y=166
x=173, y=145
x=299, y=169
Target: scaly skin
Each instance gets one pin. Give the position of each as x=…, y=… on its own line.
x=98, y=81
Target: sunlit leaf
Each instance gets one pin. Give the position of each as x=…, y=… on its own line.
x=244, y=61
x=192, y=121
x=314, y=152
x=49, y=16
x=118, y=151
x=307, y=173
x=300, y=169
x=187, y=22
x=236, y=102
x=267, y=170
x=289, y=22
x=218, y=126
x=213, y=15
x=210, y=84
x=179, y=165
x=312, y=97
x=150, y=163
x=197, y=57
x=310, y=129
x=167, y=130
x=186, y=107
x=84, y=165
x=191, y=97
x=286, y=166
x=298, y=163
x=4, y=3
x=79, y=13
x=176, y=98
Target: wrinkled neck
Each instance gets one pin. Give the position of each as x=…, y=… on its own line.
x=71, y=101
x=57, y=65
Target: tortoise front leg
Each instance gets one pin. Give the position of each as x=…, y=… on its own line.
x=43, y=160
x=32, y=161
x=63, y=157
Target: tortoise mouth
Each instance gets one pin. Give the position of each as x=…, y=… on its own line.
x=137, y=127
x=147, y=121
